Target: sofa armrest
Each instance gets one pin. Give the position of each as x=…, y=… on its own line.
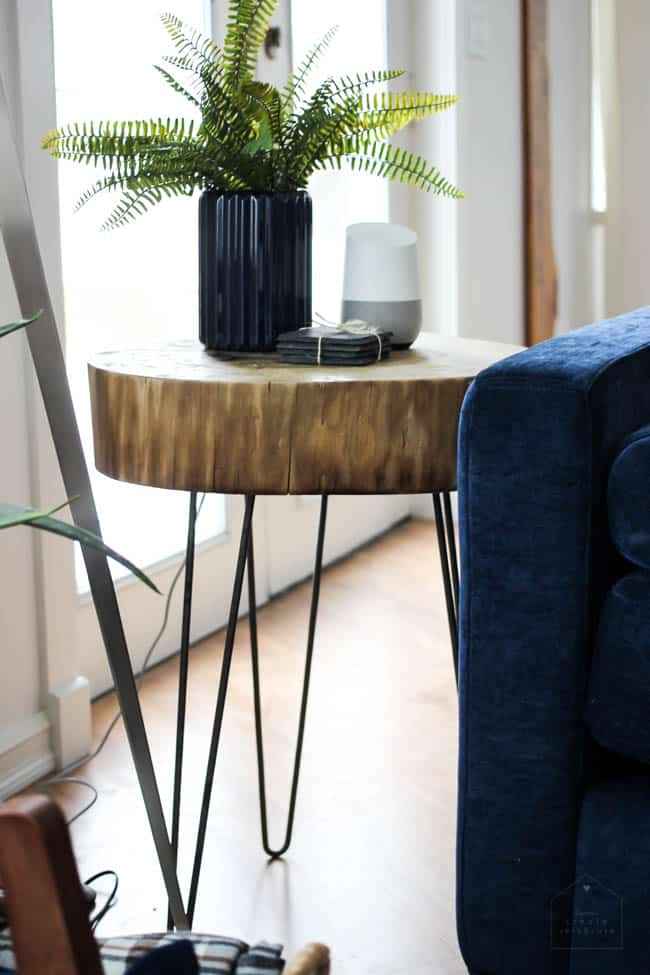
x=538, y=433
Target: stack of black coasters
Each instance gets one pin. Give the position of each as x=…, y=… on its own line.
x=323, y=345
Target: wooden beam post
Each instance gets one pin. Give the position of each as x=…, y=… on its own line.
x=540, y=267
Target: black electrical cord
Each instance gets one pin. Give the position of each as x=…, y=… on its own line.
x=110, y=900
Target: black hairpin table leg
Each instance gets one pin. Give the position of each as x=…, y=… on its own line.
x=182, y=683
x=244, y=544
x=246, y=560
x=449, y=564
x=259, y=740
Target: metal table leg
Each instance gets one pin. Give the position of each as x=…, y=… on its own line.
x=259, y=740
x=182, y=683
x=244, y=545
x=246, y=555
x=246, y=561
x=449, y=564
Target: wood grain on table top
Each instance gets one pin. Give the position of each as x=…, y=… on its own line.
x=173, y=416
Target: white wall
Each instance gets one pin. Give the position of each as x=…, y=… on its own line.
x=41, y=697
x=19, y=685
x=570, y=82
x=418, y=41
x=19, y=665
x=490, y=165
x=490, y=231
x=24, y=734
x=630, y=259
x=485, y=235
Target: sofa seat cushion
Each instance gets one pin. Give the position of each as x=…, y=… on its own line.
x=215, y=955
x=628, y=500
x=611, y=902
x=618, y=700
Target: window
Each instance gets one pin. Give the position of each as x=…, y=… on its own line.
x=601, y=53
x=136, y=285
x=340, y=198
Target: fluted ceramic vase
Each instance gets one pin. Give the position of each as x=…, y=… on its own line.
x=255, y=272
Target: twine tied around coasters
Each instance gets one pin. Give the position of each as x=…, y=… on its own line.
x=354, y=326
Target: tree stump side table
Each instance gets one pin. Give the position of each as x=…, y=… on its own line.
x=172, y=416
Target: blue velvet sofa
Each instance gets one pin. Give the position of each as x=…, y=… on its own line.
x=553, y=871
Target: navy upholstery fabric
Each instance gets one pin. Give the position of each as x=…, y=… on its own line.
x=629, y=499
x=614, y=857
x=176, y=958
x=618, y=702
x=538, y=435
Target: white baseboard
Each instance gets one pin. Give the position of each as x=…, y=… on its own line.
x=25, y=754
x=68, y=708
x=422, y=507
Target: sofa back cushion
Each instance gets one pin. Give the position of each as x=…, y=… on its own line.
x=618, y=700
x=628, y=499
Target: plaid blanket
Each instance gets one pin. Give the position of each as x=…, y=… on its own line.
x=215, y=955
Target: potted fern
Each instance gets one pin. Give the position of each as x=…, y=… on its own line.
x=250, y=149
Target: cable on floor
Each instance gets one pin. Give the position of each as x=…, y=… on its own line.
x=110, y=900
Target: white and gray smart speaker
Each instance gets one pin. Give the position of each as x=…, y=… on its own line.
x=381, y=282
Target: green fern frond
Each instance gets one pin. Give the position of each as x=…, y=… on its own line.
x=189, y=42
x=339, y=91
x=197, y=55
x=318, y=128
x=250, y=135
x=191, y=164
x=222, y=116
x=263, y=103
x=256, y=98
x=177, y=86
x=355, y=84
x=412, y=104
x=108, y=142
x=137, y=202
x=119, y=183
x=203, y=73
x=223, y=121
x=295, y=86
x=385, y=114
x=106, y=184
x=390, y=162
x=335, y=93
x=248, y=22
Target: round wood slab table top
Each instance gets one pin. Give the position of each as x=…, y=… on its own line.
x=173, y=416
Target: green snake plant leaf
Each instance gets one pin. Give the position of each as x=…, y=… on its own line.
x=12, y=515
x=14, y=326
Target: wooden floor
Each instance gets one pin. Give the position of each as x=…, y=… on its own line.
x=371, y=868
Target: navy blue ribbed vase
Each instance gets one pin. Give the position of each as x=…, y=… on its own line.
x=254, y=268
